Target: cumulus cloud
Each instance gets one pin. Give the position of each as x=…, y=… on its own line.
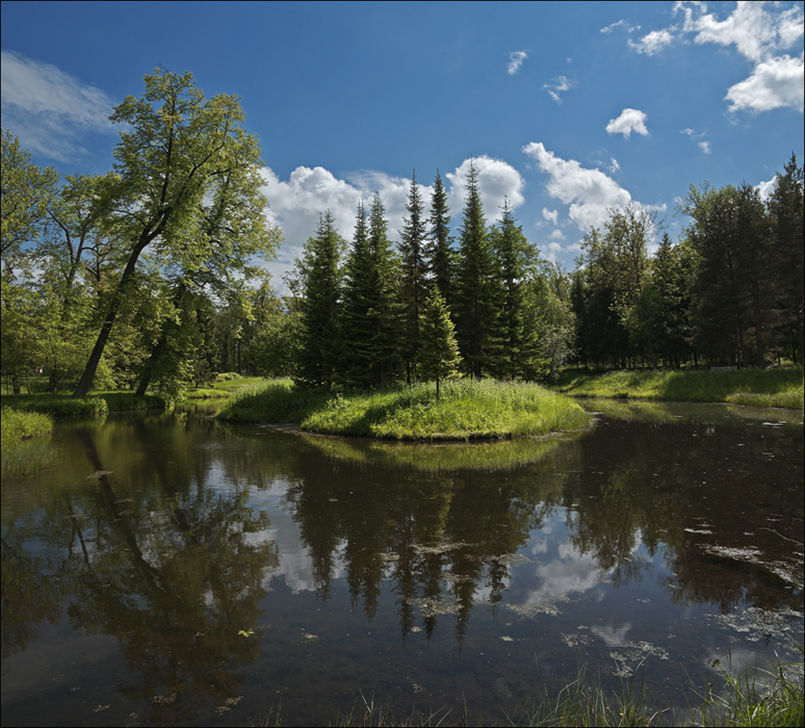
x=766, y=189
x=653, y=42
x=297, y=203
x=760, y=32
x=630, y=120
x=775, y=83
x=558, y=85
x=515, y=61
x=551, y=215
x=588, y=192
x=50, y=110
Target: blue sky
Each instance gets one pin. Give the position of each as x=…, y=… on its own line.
x=567, y=108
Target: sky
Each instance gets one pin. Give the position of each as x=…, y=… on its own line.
x=567, y=109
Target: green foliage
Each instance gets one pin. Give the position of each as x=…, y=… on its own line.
x=23, y=447
x=438, y=356
x=474, y=301
x=439, y=256
x=466, y=410
x=100, y=403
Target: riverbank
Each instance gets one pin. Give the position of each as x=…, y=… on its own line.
x=779, y=387
x=24, y=442
x=466, y=410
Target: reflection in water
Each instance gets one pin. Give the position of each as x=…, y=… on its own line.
x=495, y=563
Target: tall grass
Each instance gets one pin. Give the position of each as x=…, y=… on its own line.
x=465, y=410
x=24, y=447
x=98, y=403
x=759, y=387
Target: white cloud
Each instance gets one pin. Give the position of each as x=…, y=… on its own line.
x=295, y=204
x=760, y=32
x=557, y=86
x=588, y=192
x=775, y=83
x=50, y=110
x=653, y=42
x=705, y=147
x=557, y=235
x=497, y=180
x=614, y=166
x=630, y=120
x=755, y=32
x=515, y=61
x=620, y=23
x=766, y=189
x=551, y=215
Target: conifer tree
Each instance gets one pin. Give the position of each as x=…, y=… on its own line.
x=439, y=256
x=438, y=357
x=412, y=250
x=319, y=276
x=473, y=301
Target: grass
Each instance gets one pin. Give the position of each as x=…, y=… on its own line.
x=771, y=696
x=781, y=387
x=97, y=403
x=466, y=410
x=24, y=447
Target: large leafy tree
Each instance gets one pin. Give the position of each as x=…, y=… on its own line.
x=474, y=297
x=188, y=191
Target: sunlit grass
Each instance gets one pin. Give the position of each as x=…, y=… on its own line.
x=24, y=443
x=762, y=388
x=465, y=410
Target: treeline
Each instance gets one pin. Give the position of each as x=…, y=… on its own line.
x=148, y=278
x=729, y=293
x=372, y=313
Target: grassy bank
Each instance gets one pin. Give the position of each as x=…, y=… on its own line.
x=466, y=410
x=24, y=445
x=97, y=403
x=762, y=388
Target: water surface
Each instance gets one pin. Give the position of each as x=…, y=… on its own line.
x=176, y=570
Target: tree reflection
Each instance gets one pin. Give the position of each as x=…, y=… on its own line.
x=177, y=579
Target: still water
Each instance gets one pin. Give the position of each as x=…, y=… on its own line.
x=174, y=570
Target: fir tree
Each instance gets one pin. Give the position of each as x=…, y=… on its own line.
x=438, y=357
x=439, y=256
x=412, y=242
x=319, y=276
x=473, y=301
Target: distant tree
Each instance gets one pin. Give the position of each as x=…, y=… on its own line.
x=438, y=254
x=788, y=249
x=189, y=188
x=474, y=305
x=413, y=239
x=438, y=356
x=319, y=277
x=670, y=279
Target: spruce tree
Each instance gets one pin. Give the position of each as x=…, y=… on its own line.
x=438, y=254
x=319, y=275
x=473, y=300
x=412, y=244
x=438, y=356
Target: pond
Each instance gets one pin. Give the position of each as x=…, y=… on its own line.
x=175, y=570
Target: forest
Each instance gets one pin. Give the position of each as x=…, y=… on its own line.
x=148, y=278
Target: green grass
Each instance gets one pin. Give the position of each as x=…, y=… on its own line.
x=24, y=447
x=763, y=388
x=466, y=410
x=97, y=403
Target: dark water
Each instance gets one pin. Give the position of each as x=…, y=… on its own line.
x=176, y=570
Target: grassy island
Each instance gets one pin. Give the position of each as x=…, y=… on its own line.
x=465, y=410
